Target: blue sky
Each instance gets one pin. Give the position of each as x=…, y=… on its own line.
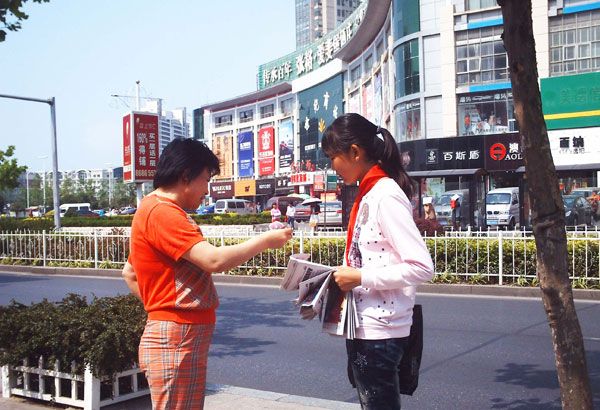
x=188, y=52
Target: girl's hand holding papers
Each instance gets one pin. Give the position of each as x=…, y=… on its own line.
x=347, y=278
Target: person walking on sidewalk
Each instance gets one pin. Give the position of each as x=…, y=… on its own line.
x=385, y=259
x=290, y=213
x=169, y=270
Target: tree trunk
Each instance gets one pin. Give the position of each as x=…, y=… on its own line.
x=546, y=207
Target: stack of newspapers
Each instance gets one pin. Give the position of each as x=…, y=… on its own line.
x=319, y=295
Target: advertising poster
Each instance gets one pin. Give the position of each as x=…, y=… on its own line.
x=575, y=146
x=319, y=106
x=286, y=146
x=246, y=154
x=222, y=146
x=266, y=151
x=127, y=168
x=377, y=103
x=354, y=102
x=221, y=190
x=368, y=101
x=245, y=187
x=140, y=147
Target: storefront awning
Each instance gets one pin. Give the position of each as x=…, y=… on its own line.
x=573, y=167
x=445, y=172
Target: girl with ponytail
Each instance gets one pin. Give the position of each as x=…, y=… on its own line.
x=385, y=258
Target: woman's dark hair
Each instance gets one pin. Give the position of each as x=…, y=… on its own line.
x=377, y=142
x=184, y=159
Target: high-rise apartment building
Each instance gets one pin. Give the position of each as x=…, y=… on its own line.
x=173, y=124
x=315, y=18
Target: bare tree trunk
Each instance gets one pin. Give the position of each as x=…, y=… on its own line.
x=546, y=206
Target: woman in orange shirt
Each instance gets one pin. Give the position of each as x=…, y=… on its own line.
x=169, y=269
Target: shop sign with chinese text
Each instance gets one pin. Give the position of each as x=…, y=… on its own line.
x=140, y=146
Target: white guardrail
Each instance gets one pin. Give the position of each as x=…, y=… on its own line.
x=71, y=389
x=493, y=256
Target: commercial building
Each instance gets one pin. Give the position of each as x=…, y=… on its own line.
x=315, y=18
x=433, y=72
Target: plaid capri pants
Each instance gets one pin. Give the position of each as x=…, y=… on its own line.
x=174, y=356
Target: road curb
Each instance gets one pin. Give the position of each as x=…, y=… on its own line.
x=436, y=288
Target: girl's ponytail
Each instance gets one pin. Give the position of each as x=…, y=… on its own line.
x=390, y=162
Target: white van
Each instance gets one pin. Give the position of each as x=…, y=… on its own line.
x=236, y=206
x=502, y=207
x=84, y=206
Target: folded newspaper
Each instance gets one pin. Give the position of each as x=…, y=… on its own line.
x=319, y=295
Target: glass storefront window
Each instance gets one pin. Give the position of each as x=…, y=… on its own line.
x=407, y=68
x=486, y=113
x=406, y=17
x=408, y=121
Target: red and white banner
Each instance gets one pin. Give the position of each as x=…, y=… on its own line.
x=266, y=151
x=140, y=147
x=127, y=148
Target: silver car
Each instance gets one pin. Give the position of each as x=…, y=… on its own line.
x=331, y=213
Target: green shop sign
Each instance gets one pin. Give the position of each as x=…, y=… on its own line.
x=311, y=57
x=571, y=101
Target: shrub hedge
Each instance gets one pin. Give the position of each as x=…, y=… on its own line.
x=103, y=334
x=39, y=224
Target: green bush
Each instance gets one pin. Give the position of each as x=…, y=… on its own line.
x=40, y=224
x=103, y=334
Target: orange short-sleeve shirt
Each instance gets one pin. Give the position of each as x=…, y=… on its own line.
x=171, y=287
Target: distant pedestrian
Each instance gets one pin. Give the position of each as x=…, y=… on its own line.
x=290, y=213
x=455, y=211
x=275, y=213
x=258, y=207
x=169, y=269
x=385, y=259
x=428, y=208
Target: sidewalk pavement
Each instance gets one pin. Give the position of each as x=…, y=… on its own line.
x=219, y=397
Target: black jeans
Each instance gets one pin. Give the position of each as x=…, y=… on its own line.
x=373, y=370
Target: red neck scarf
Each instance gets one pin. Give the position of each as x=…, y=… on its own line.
x=369, y=180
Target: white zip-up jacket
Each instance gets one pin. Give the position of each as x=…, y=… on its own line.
x=390, y=253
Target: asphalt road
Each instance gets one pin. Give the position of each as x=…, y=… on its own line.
x=480, y=352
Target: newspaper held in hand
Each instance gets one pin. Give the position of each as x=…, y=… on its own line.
x=319, y=295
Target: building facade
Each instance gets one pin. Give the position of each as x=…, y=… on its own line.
x=315, y=18
x=433, y=72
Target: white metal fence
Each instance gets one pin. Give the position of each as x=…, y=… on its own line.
x=481, y=257
x=69, y=388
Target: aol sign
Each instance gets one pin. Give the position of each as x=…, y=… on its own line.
x=500, y=152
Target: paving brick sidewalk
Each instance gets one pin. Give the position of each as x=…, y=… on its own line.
x=217, y=397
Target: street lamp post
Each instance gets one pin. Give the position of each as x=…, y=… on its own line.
x=27, y=186
x=44, y=157
x=52, y=102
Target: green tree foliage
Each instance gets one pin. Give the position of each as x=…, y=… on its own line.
x=9, y=169
x=11, y=15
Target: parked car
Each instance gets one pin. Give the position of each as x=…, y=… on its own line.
x=127, y=211
x=444, y=211
x=331, y=213
x=502, y=207
x=282, y=202
x=577, y=210
x=302, y=212
x=206, y=209
x=85, y=213
x=236, y=206
x=585, y=192
x=73, y=208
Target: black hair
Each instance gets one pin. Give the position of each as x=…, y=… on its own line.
x=184, y=159
x=378, y=143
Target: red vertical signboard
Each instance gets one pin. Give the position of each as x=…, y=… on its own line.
x=266, y=151
x=127, y=167
x=145, y=128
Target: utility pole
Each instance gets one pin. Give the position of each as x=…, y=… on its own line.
x=52, y=102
